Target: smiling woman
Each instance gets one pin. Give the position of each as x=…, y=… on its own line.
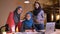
x=14, y=19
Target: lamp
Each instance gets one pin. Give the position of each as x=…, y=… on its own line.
x=52, y=17
x=26, y=1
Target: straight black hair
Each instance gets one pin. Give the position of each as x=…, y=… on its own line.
x=17, y=9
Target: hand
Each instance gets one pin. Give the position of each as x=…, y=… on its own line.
x=28, y=30
x=21, y=20
x=13, y=28
x=34, y=30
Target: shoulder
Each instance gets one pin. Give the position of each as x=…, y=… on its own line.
x=42, y=10
x=11, y=12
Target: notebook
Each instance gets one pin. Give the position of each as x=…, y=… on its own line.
x=50, y=27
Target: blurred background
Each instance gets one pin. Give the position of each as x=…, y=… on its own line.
x=50, y=7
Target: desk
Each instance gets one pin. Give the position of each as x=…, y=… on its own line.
x=56, y=32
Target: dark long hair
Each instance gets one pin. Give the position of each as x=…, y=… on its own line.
x=36, y=11
x=15, y=12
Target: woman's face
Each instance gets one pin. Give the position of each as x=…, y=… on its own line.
x=19, y=10
x=36, y=5
x=28, y=16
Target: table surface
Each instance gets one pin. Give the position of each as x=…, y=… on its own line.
x=56, y=32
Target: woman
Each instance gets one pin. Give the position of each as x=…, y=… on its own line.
x=38, y=16
x=28, y=22
x=14, y=18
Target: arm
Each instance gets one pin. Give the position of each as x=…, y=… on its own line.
x=40, y=16
x=10, y=21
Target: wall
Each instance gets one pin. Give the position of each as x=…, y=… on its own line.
x=9, y=5
x=5, y=7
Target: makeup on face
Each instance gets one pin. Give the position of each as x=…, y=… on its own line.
x=37, y=5
x=28, y=16
x=19, y=10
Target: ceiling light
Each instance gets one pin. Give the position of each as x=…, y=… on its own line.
x=26, y=1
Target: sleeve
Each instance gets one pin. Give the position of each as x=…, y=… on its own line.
x=10, y=20
x=40, y=16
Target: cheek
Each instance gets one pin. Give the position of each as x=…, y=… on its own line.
x=37, y=6
x=19, y=11
x=27, y=17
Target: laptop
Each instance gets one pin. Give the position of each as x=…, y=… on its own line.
x=50, y=27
